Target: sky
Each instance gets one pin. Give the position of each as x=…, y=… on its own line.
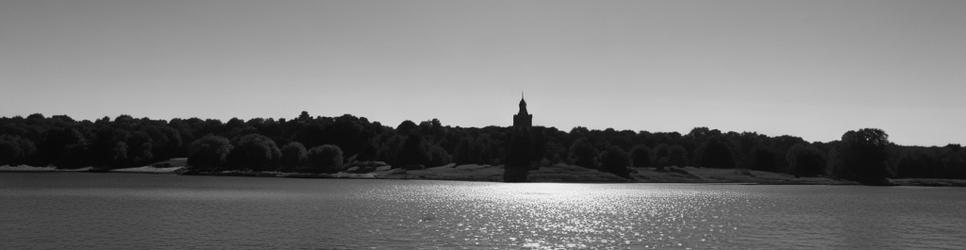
x=813, y=69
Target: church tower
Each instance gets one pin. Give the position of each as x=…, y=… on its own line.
x=520, y=149
x=522, y=119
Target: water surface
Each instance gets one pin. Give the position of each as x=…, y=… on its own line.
x=134, y=211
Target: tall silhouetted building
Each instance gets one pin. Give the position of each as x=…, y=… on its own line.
x=519, y=155
x=522, y=119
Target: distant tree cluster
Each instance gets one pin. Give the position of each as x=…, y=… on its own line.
x=330, y=144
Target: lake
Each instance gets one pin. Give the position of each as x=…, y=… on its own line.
x=142, y=211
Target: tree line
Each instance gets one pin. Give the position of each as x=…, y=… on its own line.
x=331, y=144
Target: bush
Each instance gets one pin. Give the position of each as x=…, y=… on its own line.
x=208, y=153
x=325, y=159
x=255, y=152
x=616, y=161
x=293, y=156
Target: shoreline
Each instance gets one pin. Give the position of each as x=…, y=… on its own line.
x=557, y=173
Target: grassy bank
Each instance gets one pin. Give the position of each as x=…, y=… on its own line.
x=552, y=173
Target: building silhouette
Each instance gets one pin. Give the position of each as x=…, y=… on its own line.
x=522, y=119
x=518, y=161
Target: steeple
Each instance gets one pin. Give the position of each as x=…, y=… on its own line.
x=523, y=105
x=522, y=119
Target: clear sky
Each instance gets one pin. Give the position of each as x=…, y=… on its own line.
x=813, y=69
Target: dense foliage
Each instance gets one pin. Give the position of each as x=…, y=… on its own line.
x=864, y=155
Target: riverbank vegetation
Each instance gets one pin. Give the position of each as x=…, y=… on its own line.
x=308, y=144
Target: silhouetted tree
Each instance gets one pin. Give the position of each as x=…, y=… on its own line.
x=465, y=152
x=862, y=155
x=616, y=161
x=677, y=156
x=140, y=148
x=662, y=157
x=63, y=147
x=716, y=153
x=764, y=159
x=413, y=153
x=407, y=127
x=209, y=153
x=15, y=150
x=325, y=159
x=254, y=152
x=126, y=141
x=641, y=156
x=304, y=116
x=438, y=156
x=583, y=154
x=806, y=161
x=293, y=156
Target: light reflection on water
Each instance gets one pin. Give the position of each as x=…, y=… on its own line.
x=96, y=211
x=551, y=215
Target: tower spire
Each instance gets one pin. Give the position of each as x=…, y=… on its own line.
x=522, y=118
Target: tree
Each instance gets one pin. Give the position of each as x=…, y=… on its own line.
x=293, y=156
x=10, y=151
x=616, y=161
x=764, y=158
x=407, y=127
x=862, y=156
x=677, y=156
x=255, y=152
x=140, y=148
x=465, y=153
x=208, y=153
x=641, y=156
x=304, y=116
x=438, y=156
x=716, y=153
x=662, y=156
x=65, y=148
x=583, y=154
x=325, y=159
x=807, y=161
x=413, y=154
